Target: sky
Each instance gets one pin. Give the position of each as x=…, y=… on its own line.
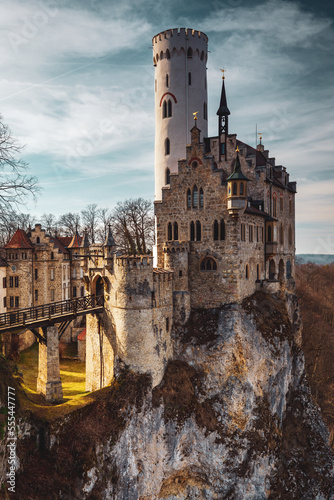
x=76, y=88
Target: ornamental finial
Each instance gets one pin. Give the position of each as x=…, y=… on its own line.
x=195, y=115
x=223, y=71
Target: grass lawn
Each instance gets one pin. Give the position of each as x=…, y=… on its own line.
x=72, y=374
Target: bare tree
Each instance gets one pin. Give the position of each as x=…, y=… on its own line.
x=105, y=217
x=90, y=220
x=133, y=223
x=16, y=185
x=70, y=223
x=50, y=223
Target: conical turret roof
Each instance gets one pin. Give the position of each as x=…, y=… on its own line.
x=109, y=241
x=237, y=172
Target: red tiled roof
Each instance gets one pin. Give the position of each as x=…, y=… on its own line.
x=19, y=240
x=58, y=244
x=65, y=240
x=76, y=241
x=82, y=335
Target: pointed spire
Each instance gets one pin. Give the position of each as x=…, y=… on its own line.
x=109, y=242
x=85, y=241
x=237, y=172
x=223, y=109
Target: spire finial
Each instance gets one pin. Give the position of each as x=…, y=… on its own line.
x=195, y=115
x=237, y=150
x=223, y=71
x=260, y=134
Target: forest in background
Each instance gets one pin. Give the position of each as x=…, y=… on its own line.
x=315, y=291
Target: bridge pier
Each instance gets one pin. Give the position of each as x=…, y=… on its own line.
x=48, y=381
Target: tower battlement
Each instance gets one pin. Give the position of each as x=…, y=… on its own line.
x=138, y=263
x=179, y=32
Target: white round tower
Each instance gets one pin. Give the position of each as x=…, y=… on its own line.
x=179, y=57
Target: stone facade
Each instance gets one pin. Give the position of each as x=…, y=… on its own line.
x=224, y=229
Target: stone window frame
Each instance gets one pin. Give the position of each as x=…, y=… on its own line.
x=195, y=231
x=204, y=263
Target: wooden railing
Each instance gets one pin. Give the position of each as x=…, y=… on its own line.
x=30, y=315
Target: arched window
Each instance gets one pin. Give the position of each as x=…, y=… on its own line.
x=215, y=230
x=167, y=176
x=38, y=239
x=164, y=109
x=241, y=188
x=288, y=269
x=198, y=231
x=235, y=192
x=176, y=231
x=222, y=230
x=74, y=292
x=167, y=80
x=281, y=234
x=188, y=199
x=189, y=78
x=161, y=55
x=169, y=232
x=274, y=206
x=208, y=264
x=247, y=271
x=167, y=54
x=192, y=231
x=190, y=52
x=205, y=111
x=258, y=272
x=52, y=255
x=167, y=147
x=201, y=198
x=169, y=110
x=272, y=270
x=195, y=197
x=269, y=234
x=290, y=235
x=202, y=55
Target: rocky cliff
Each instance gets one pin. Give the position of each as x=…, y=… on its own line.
x=232, y=419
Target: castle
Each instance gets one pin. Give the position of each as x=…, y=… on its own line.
x=225, y=219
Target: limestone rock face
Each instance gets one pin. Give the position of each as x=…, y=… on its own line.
x=232, y=419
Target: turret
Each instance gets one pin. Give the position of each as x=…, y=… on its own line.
x=236, y=189
x=179, y=58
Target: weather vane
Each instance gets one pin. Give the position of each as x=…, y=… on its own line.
x=223, y=71
x=237, y=150
x=195, y=115
x=260, y=134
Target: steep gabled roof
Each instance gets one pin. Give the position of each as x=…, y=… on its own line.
x=58, y=244
x=19, y=240
x=261, y=160
x=65, y=240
